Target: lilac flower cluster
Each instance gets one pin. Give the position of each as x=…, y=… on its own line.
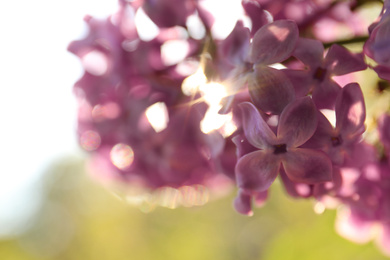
x=150, y=115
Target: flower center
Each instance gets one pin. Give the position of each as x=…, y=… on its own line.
x=280, y=148
x=320, y=73
x=336, y=140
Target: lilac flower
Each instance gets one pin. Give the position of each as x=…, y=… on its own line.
x=377, y=46
x=319, y=19
x=341, y=141
x=259, y=17
x=124, y=76
x=270, y=90
x=233, y=51
x=256, y=171
x=317, y=80
x=368, y=198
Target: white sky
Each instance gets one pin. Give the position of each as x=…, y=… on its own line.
x=37, y=108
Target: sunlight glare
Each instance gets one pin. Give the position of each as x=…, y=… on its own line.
x=174, y=51
x=157, y=115
x=146, y=29
x=191, y=84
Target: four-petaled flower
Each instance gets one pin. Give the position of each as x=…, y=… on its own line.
x=256, y=171
x=350, y=115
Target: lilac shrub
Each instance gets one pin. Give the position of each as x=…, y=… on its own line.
x=245, y=109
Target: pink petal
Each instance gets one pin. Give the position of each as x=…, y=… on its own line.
x=325, y=93
x=274, y=42
x=292, y=187
x=307, y=166
x=361, y=154
x=321, y=139
x=310, y=52
x=301, y=81
x=235, y=47
x=380, y=44
x=323, y=189
x=341, y=61
x=256, y=171
x=243, y=203
x=384, y=239
x=260, y=198
x=383, y=72
x=168, y=13
x=298, y=122
x=350, y=110
x=242, y=145
x=258, y=133
x=257, y=14
x=270, y=89
x=384, y=130
x=353, y=228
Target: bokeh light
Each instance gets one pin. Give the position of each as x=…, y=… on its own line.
x=122, y=156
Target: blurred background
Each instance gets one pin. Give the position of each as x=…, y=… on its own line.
x=50, y=208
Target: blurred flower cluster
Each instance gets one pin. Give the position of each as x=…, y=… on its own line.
x=168, y=104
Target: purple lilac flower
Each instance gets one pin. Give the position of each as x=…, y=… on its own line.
x=317, y=80
x=269, y=89
x=123, y=77
x=377, y=46
x=256, y=171
x=340, y=141
x=325, y=20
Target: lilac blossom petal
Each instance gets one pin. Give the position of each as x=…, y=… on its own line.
x=324, y=94
x=353, y=228
x=215, y=143
x=242, y=145
x=322, y=135
x=298, y=122
x=383, y=72
x=384, y=239
x=350, y=110
x=307, y=166
x=270, y=89
x=384, y=130
x=342, y=61
x=309, y=51
x=274, y=42
x=361, y=154
x=337, y=154
x=257, y=14
x=242, y=203
x=260, y=198
x=256, y=171
x=168, y=13
x=377, y=46
x=258, y=133
x=235, y=47
x=289, y=186
x=322, y=190
x=301, y=81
